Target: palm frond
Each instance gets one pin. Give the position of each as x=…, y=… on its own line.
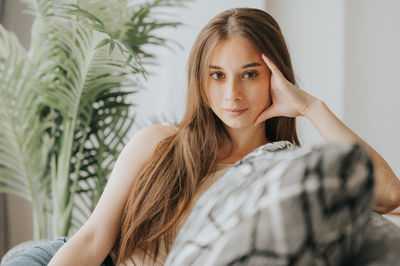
x=84, y=85
x=24, y=144
x=39, y=8
x=43, y=11
x=132, y=29
x=63, y=105
x=108, y=135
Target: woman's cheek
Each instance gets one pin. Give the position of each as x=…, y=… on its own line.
x=268, y=96
x=269, y=101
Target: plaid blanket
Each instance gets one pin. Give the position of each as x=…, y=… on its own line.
x=281, y=205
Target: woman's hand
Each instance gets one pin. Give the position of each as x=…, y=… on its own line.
x=287, y=99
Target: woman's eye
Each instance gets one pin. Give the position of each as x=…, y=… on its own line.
x=250, y=75
x=217, y=75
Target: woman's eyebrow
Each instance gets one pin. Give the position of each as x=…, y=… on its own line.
x=215, y=67
x=244, y=66
x=251, y=65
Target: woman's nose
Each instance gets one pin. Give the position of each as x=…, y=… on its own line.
x=233, y=91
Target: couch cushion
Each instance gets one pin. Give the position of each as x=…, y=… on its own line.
x=281, y=205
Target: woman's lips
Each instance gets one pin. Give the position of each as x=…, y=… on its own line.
x=235, y=112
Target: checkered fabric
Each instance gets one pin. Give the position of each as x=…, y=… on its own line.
x=281, y=205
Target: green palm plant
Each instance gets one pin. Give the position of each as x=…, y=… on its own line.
x=64, y=114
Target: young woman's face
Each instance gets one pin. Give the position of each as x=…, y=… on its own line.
x=238, y=82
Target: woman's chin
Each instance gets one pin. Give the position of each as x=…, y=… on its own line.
x=237, y=123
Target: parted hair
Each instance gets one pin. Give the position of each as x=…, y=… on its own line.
x=164, y=190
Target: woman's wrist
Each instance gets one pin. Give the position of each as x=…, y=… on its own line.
x=315, y=105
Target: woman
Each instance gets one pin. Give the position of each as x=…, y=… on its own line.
x=241, y=95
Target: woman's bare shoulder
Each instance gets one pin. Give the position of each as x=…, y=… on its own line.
x=162, y=129
x=153, y=134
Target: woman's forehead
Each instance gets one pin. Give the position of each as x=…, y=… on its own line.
x=234, y=50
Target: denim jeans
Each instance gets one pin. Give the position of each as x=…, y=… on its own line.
x=41, y=254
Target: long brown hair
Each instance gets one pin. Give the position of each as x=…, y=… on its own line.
x=164, y=190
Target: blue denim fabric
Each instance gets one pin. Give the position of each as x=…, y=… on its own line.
x=41, y=255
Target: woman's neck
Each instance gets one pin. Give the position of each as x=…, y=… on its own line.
x=244, y=141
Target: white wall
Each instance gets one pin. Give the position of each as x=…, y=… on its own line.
x=372, y=87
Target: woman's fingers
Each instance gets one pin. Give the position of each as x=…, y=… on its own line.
x=270, y=111
x=265, y=115
x=284, y=95
x=274, y=69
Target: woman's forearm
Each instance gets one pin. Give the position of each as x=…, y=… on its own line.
x=387, y=185
x=79, y=250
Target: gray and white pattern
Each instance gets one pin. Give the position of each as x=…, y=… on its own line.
x=281, y=205
x=381, y=245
